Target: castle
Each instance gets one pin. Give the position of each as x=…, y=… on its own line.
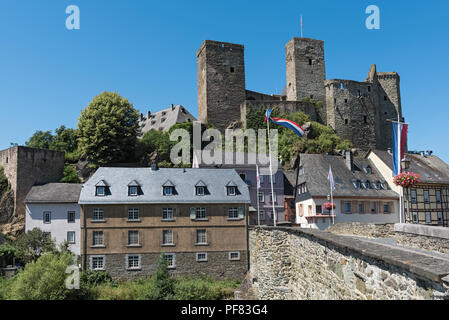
x=357, y=111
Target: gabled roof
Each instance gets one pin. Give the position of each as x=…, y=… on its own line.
x=133, y=183
x=430, y=168
x=231, y=184
x=152, y=180
x=315, y=173
x=168, y=183
x=165, y=119
x=200, y=184
x=101, y=183
x=54, y=193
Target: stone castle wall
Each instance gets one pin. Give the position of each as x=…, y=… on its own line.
x=25, y=167
x=294, y=263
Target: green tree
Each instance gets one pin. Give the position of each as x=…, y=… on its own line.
x=70, y=175
x=108, y=129
x=155, y=140
x=4, y=184
x=44, y=279
x=40, y=139
x=163, y=284
x=34, y=243
x=66, y=139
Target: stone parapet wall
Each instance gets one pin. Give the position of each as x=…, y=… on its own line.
x=294, y=263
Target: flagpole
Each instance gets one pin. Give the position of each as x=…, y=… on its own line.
x=271, y=174
x=257, y=193
x=301, y=26
x=399, y=167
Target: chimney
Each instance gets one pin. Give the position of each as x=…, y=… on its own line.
x=154, y=166
x=422, y=153
x=348, y=160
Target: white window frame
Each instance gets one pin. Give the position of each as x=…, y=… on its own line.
x=170, y=193
x=74, y=237
x=132, y=212
x=44, y=217
x=415, y=216
x=132, y=239
x=98, y=194
x=229, y=188
x=232, y=253
x=95, y=214
x=173, y=255
x=133, y=194
x=233, y=210
x=197, y=188
x=197, y=237
x=387, y=205
x=261, y=214
x=103, y=257
x=428, y=214
x=139, y=259
x=426, y=201
x=438, y=196
x=414, y=199
x=167, y=214
x=171, y=237
x=199, y=212
x=275, y=198
x=261, y=193
x=198, y=259
x=97, y=233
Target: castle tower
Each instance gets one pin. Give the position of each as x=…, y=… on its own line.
x=305, y=69
x=221, y=82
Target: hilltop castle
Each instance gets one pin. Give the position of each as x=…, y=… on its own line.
x=357, y=111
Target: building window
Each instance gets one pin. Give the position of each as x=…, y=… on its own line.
x=132, y=191
x=428, y=217
x=133, y=238
x=233, y=213
x=262, y=215
x=261, y=196
x=386, y=208
x=231, y=191
x=440, y=218
x=71, y=216
x=133, y=214
x=426, y=197
x=167, y=237
x=232, y=69
x=47, y=235
x=201, y=214
x=98, y=214
x=171, y=260
x=373, y=207
x=413, y=195
x=199, y=191
x=273, y=195
x=201, y=237
x=438, y=196
x=167, y=214
x=201, y=256
x=168, y=191
x=100, y=191
x=234, y=255
x=97, y=262
x=415, y=217
x=310, y=62
x=347, y=207
x=47, y=217
x=365, y=119
x=369, y=88
x=71, y=237
x=346, y=121
x=261, y=179
x=97, y=238
x=133, y=262
x=319, y=209
x=361, y=207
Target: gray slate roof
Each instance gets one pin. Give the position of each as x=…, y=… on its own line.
x=243, y=161
x=431, y=168
x=316, y=169
x=54, y=193
x=165, y=119
x=151, y=182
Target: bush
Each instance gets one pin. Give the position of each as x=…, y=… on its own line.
x=4, y=184
x=33, y=244
x=43, y=279
x=95, y=278
x=129, y=290
x=70, y=175
x=203, y=289
x=163, y=284
x=5, y=287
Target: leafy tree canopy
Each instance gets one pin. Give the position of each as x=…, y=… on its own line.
x=108, y=129
x=40, y=139
x=34, y=243
x=70, y=175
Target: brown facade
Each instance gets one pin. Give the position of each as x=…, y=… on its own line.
x=223, y=236
x=427, y=204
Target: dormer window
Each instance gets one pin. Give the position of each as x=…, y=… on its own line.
x=132, y=191
x=199, y=191
x=100, y=191
x=357, y=184
x=368, y=170
x=231, y=190
x=368, y=185
x=168, y=191
x=133, y=188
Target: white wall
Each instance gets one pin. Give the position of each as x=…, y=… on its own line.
x=59, y=225
x=384, y=170
x=376, y=218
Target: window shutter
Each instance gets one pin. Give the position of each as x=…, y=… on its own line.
x=390, y=207
x=342, y=205
x=106, y=238
x=367, y=207
x=174, y=213
x=241, y=213
x=175, y=237
x=125, y=238
x=379, y=207
x=355, y=207
x=192, y=213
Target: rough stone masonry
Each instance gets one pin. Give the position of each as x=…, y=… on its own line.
x=294, y=263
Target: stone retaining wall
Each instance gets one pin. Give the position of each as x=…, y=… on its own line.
x=294, y=263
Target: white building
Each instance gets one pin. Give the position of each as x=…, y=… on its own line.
x=54, y=209
x=361, y=194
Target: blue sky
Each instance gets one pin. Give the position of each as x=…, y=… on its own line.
x=146, y=51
